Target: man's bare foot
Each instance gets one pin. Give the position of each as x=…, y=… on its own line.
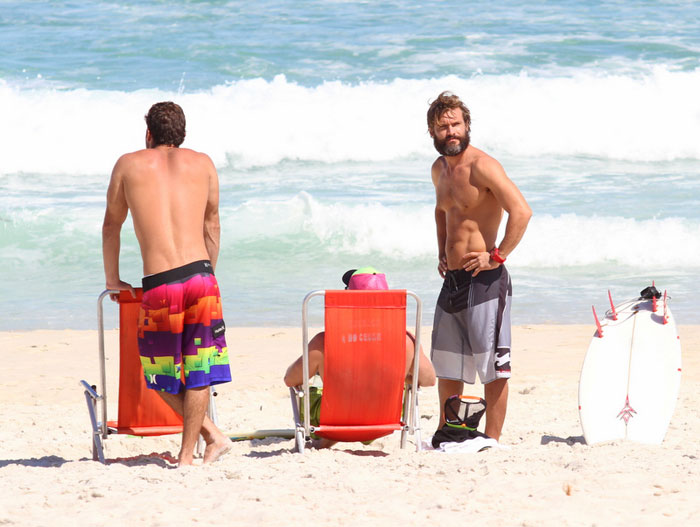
x=216, y=449
x=185, y=461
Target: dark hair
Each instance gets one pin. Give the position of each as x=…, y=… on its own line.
x=447, y=101
x=166, y=122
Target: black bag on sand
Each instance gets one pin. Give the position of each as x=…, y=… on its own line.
x=462, y=416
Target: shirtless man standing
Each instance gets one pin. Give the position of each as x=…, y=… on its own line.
x=471, y=330
x=173, y=195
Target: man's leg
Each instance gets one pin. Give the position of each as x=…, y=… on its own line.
x=446, y=389
x=196, y=401
x=192, y=406
x=496, y=395
x=295, y=373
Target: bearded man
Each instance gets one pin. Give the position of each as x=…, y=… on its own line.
x=471, y=329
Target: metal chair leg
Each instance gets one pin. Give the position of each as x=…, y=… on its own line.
x=91, y=399
x=299, y=433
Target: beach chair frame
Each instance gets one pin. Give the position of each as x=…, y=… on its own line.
x=97, y=401
x=299, y=394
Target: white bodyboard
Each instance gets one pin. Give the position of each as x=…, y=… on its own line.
x=631, y=375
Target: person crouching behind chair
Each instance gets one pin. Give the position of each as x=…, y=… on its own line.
x=365, y=278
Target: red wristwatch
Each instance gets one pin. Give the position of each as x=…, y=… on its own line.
x=496, y=257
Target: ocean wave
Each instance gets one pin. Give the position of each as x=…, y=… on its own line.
x=308, y=224
x=650, y=117
x=408, y=232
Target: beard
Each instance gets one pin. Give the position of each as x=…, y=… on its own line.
x=451, y=150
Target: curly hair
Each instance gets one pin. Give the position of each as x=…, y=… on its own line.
x=166, y=122
x=444, y=102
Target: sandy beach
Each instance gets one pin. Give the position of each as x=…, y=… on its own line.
x=315, y=116
x=546, y=476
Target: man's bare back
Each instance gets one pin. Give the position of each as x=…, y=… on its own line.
x=172, y=194
x=167, y=190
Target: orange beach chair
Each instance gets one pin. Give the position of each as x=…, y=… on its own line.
x=141, y=411
x=364, y=369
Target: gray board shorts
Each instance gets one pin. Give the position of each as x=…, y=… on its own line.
x=471, y=329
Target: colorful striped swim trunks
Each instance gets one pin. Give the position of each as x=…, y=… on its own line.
x=181, y=329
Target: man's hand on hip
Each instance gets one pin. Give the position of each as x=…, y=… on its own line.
x=442, y=266
x=477, y=262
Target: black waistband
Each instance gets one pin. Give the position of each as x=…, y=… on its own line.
x=457, y=277
x=177, y=274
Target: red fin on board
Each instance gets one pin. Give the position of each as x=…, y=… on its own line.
x=612, y=306
x=597, y=323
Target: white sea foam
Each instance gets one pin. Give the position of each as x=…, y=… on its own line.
x=573, y=240
x=402, y=232
x=652, y=117
x=353, y=227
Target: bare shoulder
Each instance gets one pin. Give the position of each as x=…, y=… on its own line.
x=130, y=157
x=438, y=164
x=485, y=167
x=199, y=158
x=484, y=162
x=128, y=162
x=193, y=153
x=437, y=168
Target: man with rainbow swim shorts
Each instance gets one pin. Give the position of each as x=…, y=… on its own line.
x=471, y=329
x=173, y=196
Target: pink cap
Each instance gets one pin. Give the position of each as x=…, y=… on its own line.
x=368, y=281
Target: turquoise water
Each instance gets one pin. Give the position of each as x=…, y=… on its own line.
x=314, y=114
